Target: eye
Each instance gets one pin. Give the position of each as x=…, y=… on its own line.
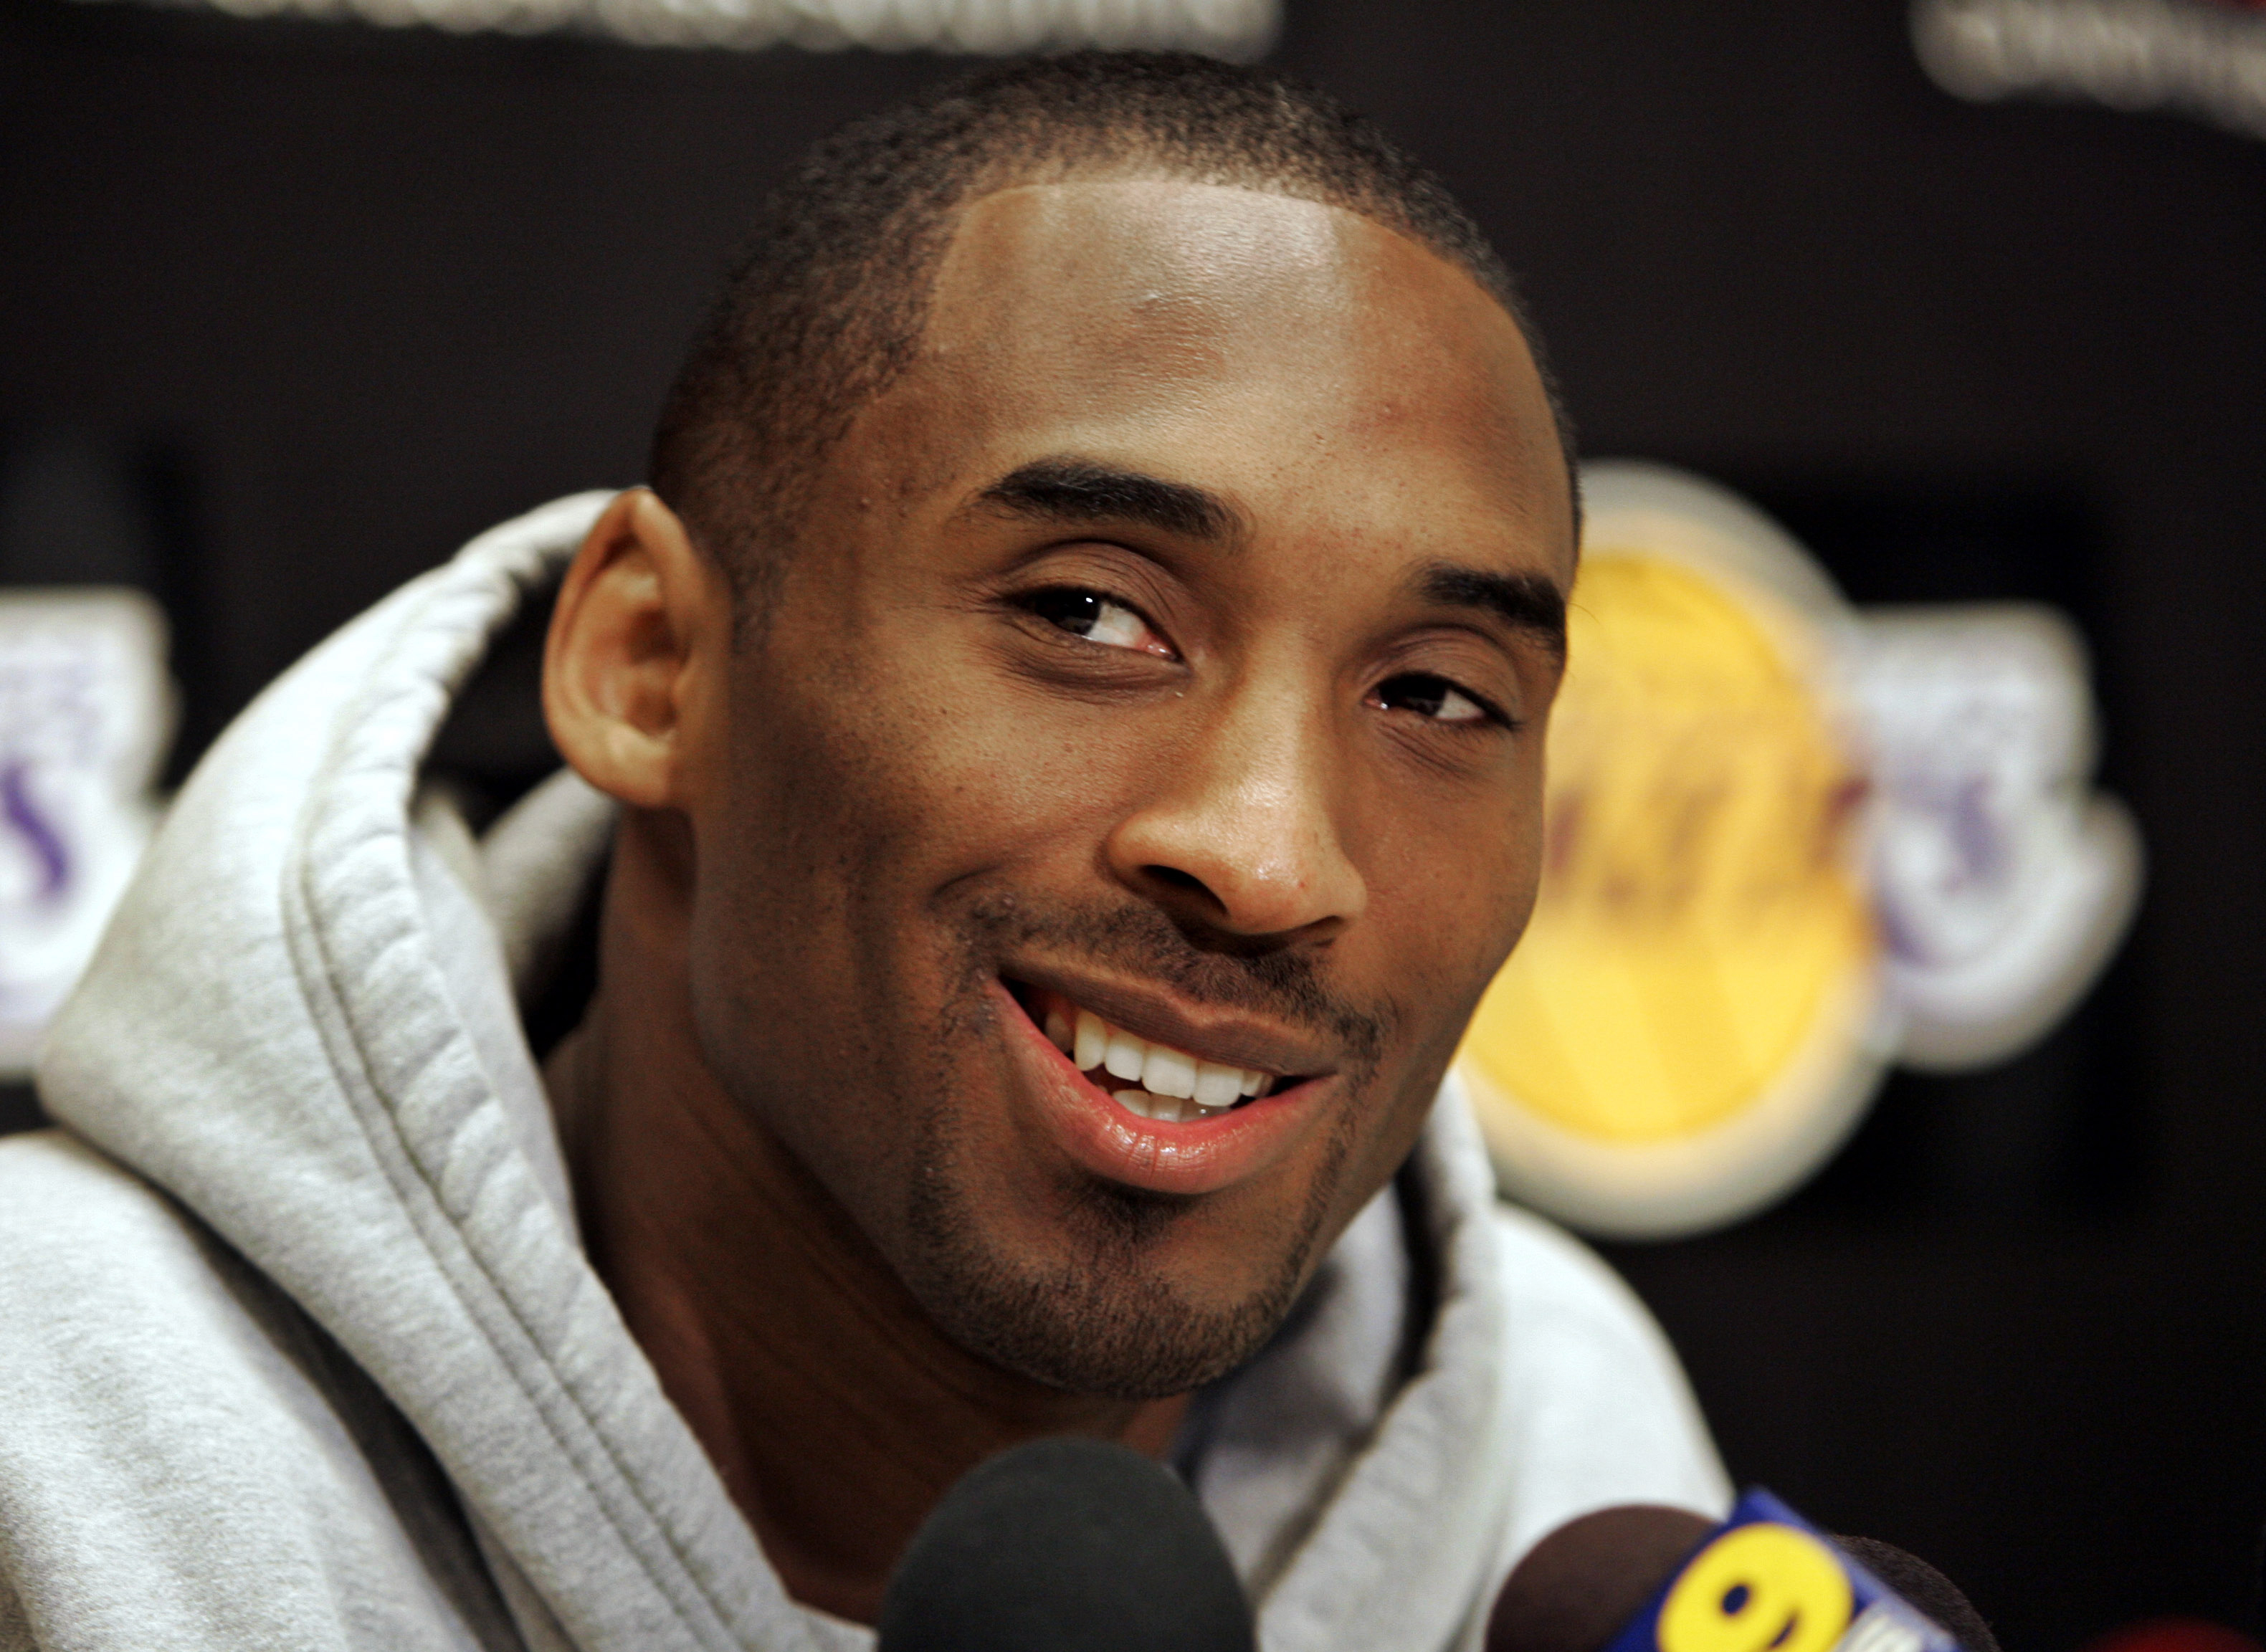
x=1432, y=697
x=1097, y=619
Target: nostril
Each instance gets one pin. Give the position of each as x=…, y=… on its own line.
x=1178, y=879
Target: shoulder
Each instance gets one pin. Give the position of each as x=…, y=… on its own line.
x=81, y=1236
x=1559, y=1288
x=185, y=1459
x=101, y=1275
x=1595, y=1391
x=143, y=1368
x=53, y=1188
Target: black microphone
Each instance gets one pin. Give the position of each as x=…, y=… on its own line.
x=1926, y=1588
x=1578, y=1586
x=1643, y=1576
x=1066, y=1546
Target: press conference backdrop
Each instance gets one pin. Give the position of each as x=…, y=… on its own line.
x=1787, y=843
x=289, y=308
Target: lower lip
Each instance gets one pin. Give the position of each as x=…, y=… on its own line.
x=1199, y=1156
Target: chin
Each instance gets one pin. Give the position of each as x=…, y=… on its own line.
x=1124, y=1335
x=1024, y=1249
x=1104, y=1289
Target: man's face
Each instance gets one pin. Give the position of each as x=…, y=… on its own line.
x=1164, y=669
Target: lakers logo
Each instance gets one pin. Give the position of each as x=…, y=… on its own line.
x=1691, y=1019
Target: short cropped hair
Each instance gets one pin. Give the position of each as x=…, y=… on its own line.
x=826, y=306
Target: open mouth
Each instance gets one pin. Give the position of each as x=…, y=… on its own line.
x=1148, y=1079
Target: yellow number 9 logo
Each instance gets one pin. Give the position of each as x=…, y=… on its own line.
x=1757, y=1589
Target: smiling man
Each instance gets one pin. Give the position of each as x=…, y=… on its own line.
x=1063, y=740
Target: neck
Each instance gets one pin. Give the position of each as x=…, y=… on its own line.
x=833, y=1410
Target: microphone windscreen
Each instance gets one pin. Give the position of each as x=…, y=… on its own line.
x=1066, y=1546
x=1578, y=1586
x=1923, y=1587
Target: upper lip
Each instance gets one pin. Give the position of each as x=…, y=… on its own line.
x=1234, y=1038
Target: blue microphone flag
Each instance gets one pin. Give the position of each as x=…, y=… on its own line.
x=1768, y=1581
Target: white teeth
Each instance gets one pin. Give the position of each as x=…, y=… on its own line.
x=1216, y=1085
x=1149, y=1106
x=1169, y=1071
x=1174, y=1085
x=1165, y=1109
x=1126, y=1055
x=1093, y=1040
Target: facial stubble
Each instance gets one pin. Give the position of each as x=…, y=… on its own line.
x=1101, y=1315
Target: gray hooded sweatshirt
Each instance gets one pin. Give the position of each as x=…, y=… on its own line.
x=298, y=1348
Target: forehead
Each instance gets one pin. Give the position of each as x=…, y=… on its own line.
x=1270, y=347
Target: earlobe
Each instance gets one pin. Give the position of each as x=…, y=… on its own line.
x=641, y=628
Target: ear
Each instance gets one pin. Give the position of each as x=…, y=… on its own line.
x=634, y=668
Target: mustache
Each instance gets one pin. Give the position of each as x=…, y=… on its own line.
x=1139, y=939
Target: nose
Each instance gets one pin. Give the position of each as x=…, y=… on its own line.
x=1240, y=833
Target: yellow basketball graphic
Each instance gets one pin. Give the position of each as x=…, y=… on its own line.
x=1690, y=1023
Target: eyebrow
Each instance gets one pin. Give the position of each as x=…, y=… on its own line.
x=1075, y=490
x=1530, y=602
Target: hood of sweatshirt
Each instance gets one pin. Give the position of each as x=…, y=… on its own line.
x=303, y=1026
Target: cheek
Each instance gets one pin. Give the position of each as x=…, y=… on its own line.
x=852, y=789
x=963, y=768
x=1451, y=890
x=836, y=774
x=1452, y=887
x=794, y=846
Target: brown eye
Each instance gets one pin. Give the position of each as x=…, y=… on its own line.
x=1077, y=612
x=1097, y=619
x=1432, y=697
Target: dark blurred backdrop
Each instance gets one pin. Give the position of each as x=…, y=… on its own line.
x=320, y=302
